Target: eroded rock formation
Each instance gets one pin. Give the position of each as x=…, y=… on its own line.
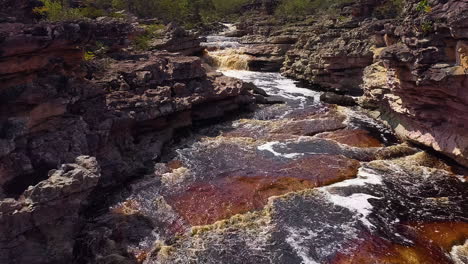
x=56, y=107
x=39, y=226
x=419, y=80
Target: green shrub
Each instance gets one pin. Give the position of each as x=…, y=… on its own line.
x=423, y=6
x=142, y=42
x=297, y=8
x=91, y=12
x=223, y=7
x=119, y=4
x=186, y=12
x=427, y=27
x=54, y=11
x=155, y=29
x=89, y=55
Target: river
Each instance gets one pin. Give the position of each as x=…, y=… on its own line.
x=297, y=182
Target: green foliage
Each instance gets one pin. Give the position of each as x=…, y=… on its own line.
x=223, y=7
x=100, y=48
x=142, y=42
x=186, y=12
x=155, y=30
x=389, y=9
x=423, y=6
x=91, y=12
x=427, y=27
x=88, y=55
x=54, y=11
x=119, y=4
x=294, y=8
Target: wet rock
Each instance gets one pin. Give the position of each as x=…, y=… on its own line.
x=347, y=218
x=267, y=58
x=205, y=203
x=355, y=138
x=267, y=100
x=333, y=98
x=374, y=249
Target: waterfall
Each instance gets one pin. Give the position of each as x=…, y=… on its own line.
x=228, y=59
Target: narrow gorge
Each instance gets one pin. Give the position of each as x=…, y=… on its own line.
x=337, y=137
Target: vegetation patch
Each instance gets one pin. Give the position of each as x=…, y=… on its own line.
x=424, y=6
x=142, y=42
x=294, y=8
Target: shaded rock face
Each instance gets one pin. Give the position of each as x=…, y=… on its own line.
x=419, y=81
x=28, y=50
x=121, y=110
x=18, y=10
x=41, y=80
x=38, y=227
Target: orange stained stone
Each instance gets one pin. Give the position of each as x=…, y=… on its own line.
x=355, y=138
x=207, y=202
x=321, y=169
x=129, y=207
x=444, y=234
x=175, y=164
x=432, y=243
x=140, y=256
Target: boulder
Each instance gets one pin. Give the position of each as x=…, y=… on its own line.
x=52, y=209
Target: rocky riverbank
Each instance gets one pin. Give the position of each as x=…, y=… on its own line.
x=90, y=171
x=118, y=110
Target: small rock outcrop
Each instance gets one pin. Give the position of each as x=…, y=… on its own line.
x=39, y=227
x=177, y=39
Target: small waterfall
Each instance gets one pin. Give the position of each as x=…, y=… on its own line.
x=228, y=59
x=225, y=52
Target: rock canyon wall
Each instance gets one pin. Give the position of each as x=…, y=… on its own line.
x=105, y=119
x=419, y=80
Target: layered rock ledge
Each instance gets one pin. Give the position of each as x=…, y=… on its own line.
x=419, y=80
x=56, y=107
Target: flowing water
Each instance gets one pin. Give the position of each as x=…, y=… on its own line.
x=298, y=182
